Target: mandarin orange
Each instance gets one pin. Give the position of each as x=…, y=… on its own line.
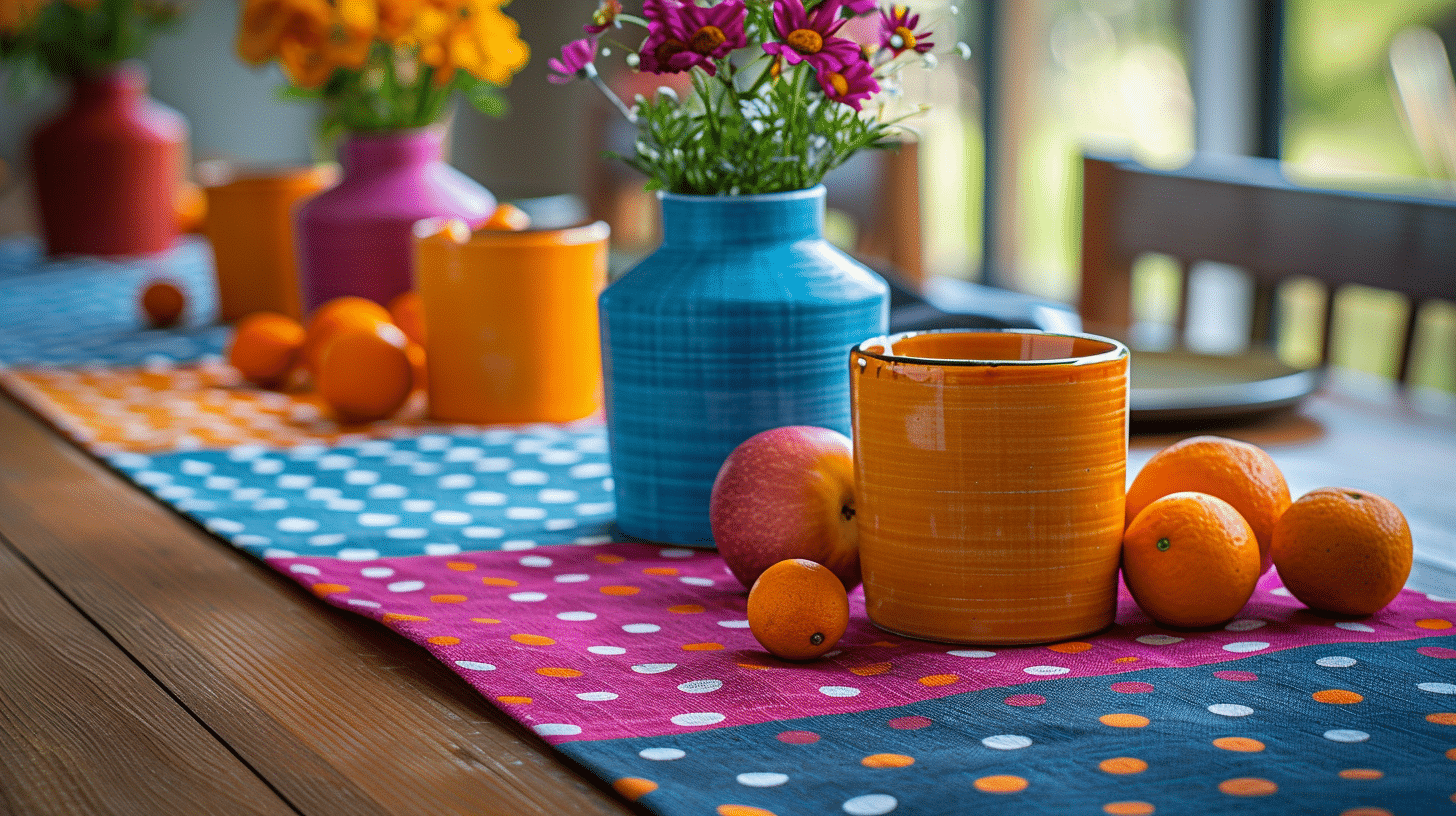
x=163, y=303
x=1241, y=474
x=334, y=315
x=1343, y=551
x=418, y=369
x=1190, y=560
x=365, y=374
x=798, y=609
x=265, y=348
x=407, y=311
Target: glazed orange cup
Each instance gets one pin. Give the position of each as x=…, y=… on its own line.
x=511, y=321
x=249, y=223
x=989, y=474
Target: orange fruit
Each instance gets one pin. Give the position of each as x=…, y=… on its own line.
x=1343, y=551
x=407, y=311
x=798, y=609
x=163, y=302
x=419, y=372
x=507, y=217
x=365, y=374
x=265, y=348
x=334, y=315
x=1190, y=560
x=1237, y=472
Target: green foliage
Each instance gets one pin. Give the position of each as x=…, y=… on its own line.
x=73, y=38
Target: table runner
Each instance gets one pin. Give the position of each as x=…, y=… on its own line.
x=492, y=548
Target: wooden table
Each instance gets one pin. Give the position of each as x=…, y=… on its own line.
x=148, y=668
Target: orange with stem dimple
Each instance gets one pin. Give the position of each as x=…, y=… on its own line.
x=1190, y=559
x=265, y=348
x=365, y=374
x=334, y=316
x=1343, y=551
x=798, y=609
x=1239, y=473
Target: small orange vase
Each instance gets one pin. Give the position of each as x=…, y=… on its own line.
x=511, y=321
x=250, y=226
x=989, y=473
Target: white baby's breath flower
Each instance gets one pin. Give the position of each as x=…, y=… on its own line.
x=667, y=92
x=929, y=60
x=964, y=49
x=633, y=60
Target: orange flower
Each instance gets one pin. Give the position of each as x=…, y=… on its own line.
x=267, y=24
x=481, y=40
x=17, y=14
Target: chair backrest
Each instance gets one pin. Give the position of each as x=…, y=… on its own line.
x=1245, y=212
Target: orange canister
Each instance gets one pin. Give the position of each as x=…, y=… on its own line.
x=511, y=320
x=249, y=223
x=990, y=468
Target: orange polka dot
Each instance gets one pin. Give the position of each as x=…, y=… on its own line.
x=702, y=647
x=444, y=640
x=1361, y=773
x=743, y=810
x=887, y=761
x=1247, y=786
x=1434, y=623
x=1128, y=808
x=1442, y=718
x=1123, y=720
x=393, y=617
x=885, y=644
x=1128, y=659
x=618, y=589
x=1337, y=696
x=660, y=571
x=1122, y=765
x=752, y=666
x=608, y=558
x=486, y=620
x=686, y=609
x=1369, y=811
x=533, y=640
x=460, y=566
x=939, y=679
x=552, y=671
x=500, y=582
x=634, y=788
x=515, y=700
x=1238, y=744
x=1001, y=783
x=447, y=599
x=325, y=590
x=1070, y=647
x=871, y=670
x=1451, y=754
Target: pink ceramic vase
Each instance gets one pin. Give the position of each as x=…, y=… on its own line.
x=356, y=237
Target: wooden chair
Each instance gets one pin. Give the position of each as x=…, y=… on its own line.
x=1245, y=212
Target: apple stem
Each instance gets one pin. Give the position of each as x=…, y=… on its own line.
x=846, y=512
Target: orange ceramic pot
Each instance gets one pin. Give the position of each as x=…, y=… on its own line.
x=989, y=472
x=511, y=321
x=249, y=223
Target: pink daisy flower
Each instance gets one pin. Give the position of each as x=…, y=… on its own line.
x=682, y=35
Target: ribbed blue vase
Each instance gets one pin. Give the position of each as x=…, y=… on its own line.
x=740, y=322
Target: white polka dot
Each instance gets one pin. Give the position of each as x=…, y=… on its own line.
x=223, y=483
x=274, y=503
x=733, y=624
x=486, y=498
x=151, y=478
x=417, y=505
x=641, y=628
x=595, y=508
x=556, y=729
x=225, y=526
x=483, y=532
x=295, y=481
x=304, y=569
x=1281, y=592
x=662, y=754
x=335, y=461
x=405, y=586
x=1438, y=688
x=527, y=477
x=559, y=524
x=1336, y=662
x=451, y=517
x=525, y=513
x=357, y=554
x=406, y=533
x=592, y=540
x=268, y=467
x=279, y=553
x=653, y=668
x=245, y=494
x=1159, y=640
x=388, y=491
x=871, y=804
x=345, y=505
x=700, y=686
x=1046, y=671
x=493, y=464
x=296, y=524
x=463, y=454
x=973, y=653
x=327, y=540
x=363, y=603
x=474, y=666
x=361, y=477
x=693, y=580
x=1244, y=624
x=762, y=779
x=1352, y=626
x=698, y=718
x=596, y=696
x=517, y=545
x=1244, y=646
x=606, y=650
x=675, y=552
x=839, y=691
x=527, y=597
x=552, y=495
x=590, y=470
x=378, y=519
x=571, y=578
x=193, y=467
x=535, y=561
x=456, y=481
x=576, y=616
x=442, y=549
x=1230, y=710
x=174, y=492
x=1346, y=735
x=377, y=572
x=1006, y=742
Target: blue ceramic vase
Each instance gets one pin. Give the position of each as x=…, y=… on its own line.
x=740, y=322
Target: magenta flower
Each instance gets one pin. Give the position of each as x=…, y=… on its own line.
x=850, y=83
x=809, y=36
x=682, y=35
x=898, y=34
x=576, y=56
x=604, y=17
x=858, y=7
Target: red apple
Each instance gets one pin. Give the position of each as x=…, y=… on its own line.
x=787, y=493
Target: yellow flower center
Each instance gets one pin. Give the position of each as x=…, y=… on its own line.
x=707, y=39
x=839, y=84
x=668, y=49
x=907, y=37
x=805, y=40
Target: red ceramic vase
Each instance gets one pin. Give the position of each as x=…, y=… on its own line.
x=357, y=238
x=107, y=168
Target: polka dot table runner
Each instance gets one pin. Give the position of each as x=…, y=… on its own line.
x=492, y=548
